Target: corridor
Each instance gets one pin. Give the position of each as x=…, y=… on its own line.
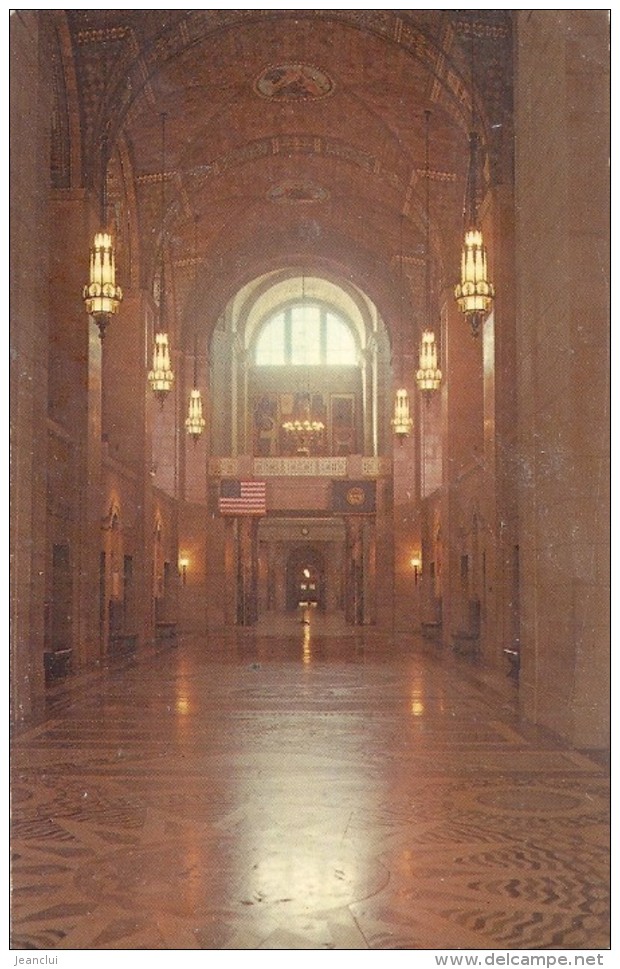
x=309, y=789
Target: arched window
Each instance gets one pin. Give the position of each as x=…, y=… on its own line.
x=305, y=334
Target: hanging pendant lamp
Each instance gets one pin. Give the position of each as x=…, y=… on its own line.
x=195, y=422
x=306, y=429
x=402, y=423
x=161, y=377
x=101, y=295
x=474, y=293
x=428, y=376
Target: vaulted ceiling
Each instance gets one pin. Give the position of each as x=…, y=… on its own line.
x=292, y=136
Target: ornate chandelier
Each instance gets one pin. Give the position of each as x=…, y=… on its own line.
x=428, y=376
x=402, y=422
x=161, y=377
x=101, y=295
x=307, y=430
x=195, y=422
x=474, y=293
x=303, y=427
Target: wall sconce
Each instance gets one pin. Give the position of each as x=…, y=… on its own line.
x=183, y=563
x=416, y=565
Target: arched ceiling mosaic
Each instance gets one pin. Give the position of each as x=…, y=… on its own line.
x=292, y=135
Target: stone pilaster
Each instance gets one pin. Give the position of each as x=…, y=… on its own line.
x=562, y=230
x=29, y=303
x=463, y=465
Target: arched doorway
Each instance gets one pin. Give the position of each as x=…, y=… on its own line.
x=305, y=579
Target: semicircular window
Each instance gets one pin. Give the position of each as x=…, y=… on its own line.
x=306, y=334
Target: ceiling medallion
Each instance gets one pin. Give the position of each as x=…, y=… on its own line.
x=297, y=192
x=293, y=82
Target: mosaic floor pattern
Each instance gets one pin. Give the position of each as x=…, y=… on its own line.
x=302, y=791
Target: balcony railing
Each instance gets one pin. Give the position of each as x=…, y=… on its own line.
x=353, y=466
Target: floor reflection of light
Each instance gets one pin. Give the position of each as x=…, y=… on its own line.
x=417, y=696
x=300, y=853
x=309, y=878
x=191, y=866
x=287, y=788
x=307, y=650
x=184, y=694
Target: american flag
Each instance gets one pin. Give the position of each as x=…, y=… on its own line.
x=242, y=497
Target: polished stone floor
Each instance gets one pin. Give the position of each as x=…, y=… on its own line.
x=310, y=789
